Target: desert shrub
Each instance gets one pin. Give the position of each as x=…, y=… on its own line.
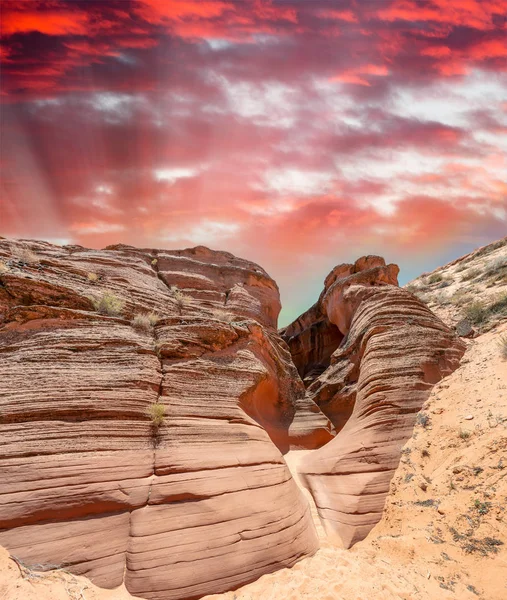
x=464, y=435
x=27, y=256
x=470, y=274
x=3, y=267
x=108, y=304
x=475, y=312
x=422, y=297
x=156, y=413
x=92, y=277
x=499, y=304
x=144, y=321
x=461, y=297
x=482, y=507
x=496, y=267
x=502, y=343
x=435, y=278
x=180, y=298
x=412, y=288
x=154, y=262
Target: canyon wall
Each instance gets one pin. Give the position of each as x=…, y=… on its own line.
x=393, y=350
x=146, y=402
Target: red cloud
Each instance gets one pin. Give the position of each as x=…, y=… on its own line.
x=276, y=126
x=49, y=22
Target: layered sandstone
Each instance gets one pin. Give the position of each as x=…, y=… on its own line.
x=392, y=351
x=195, y=498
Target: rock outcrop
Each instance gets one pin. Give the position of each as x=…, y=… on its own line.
x=146, y=402
x=392, y=351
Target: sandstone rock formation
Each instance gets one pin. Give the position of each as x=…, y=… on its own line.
x=146, y=401
x=391, y=351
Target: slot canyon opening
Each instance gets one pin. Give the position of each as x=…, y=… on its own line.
x=311, y=348
x=312, y=340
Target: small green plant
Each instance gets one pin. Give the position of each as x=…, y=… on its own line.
x=482, y=507
x=92, y=277
x=435, y=278
x=108, y=304
x=475, y=312
x=154, y=262
x=464, y=435
x=27, y=256
x=145, y=321
x=156, y=413
x=502, y=344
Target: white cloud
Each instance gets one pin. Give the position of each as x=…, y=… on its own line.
x=266, y=104
x=173, y=174
x=295, y=181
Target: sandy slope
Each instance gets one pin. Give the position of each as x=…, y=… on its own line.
x=446, y=513
x=471, y=287
x=19, y=583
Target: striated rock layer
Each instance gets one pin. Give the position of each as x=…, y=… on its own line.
x=394, y=349
x=149, y=453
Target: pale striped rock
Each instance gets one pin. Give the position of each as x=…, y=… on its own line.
x=393, y=350
x=201, y=503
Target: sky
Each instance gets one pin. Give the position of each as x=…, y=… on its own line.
x=298, y=134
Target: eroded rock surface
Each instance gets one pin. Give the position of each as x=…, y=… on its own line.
x=195, y=499
x=392, y=352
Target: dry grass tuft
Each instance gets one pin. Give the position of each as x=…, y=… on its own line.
x=180, y=298
x=27, y=256
x=108, y=304
x=92, y=277
x=156, y=413
x=475, y=312
x=145, y=321
x=223, y=315
x=435, y=278
x=3, y=267
x=470, y=274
